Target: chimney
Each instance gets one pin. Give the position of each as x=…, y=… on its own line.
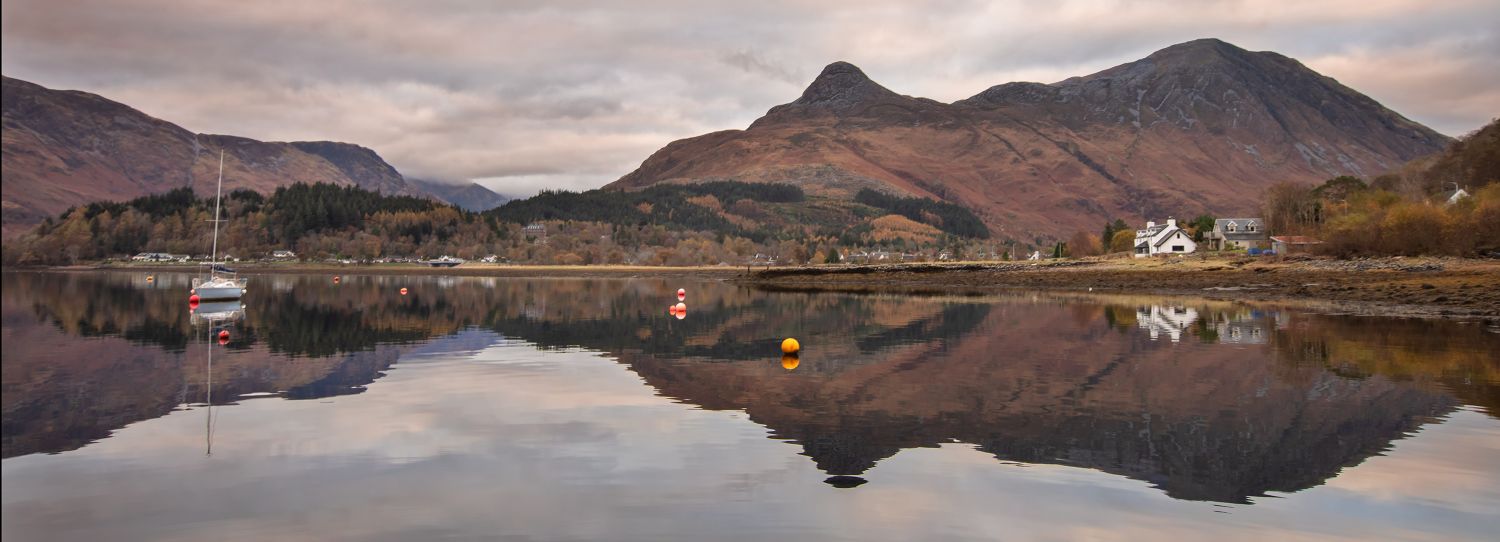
x=1171, y=222
x=1150, y=224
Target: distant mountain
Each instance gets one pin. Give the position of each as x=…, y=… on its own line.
x=469, y=196
x=63, y=148
x=1199, y=126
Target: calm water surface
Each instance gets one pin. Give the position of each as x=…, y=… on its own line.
x=527, y=409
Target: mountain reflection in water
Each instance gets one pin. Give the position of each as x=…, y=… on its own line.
x=1204, y=400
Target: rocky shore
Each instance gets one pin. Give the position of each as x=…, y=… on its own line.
x=1426, y=287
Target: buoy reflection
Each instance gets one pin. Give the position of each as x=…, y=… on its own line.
x=790, y=361
x=844, y=481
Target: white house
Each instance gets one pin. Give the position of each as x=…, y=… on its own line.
x=1163, y=239
x=1161, y=320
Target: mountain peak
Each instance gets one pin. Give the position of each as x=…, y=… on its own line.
x=1199, y=51
x=840, y=86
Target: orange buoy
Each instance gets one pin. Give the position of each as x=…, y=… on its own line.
x=403, y=291
x=790, y=361
x=681, y=294
x=150, y=278
x=790, y=346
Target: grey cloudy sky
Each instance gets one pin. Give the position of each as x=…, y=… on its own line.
x=525, y=95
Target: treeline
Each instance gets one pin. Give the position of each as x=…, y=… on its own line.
x=1447, y=204
x=1369, y=221
x=690, y=207
x=948, y=217
x=724, y=222
x=1472, y=162
x=302, y=208
x=321, y=220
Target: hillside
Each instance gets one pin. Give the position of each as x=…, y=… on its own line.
x=1202, y=126
x=66, y=148
x=470, y=196
x=1472, y=162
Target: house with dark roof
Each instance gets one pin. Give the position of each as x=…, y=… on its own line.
x=1237, y=234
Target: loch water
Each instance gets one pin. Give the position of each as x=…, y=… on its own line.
x=475, y=408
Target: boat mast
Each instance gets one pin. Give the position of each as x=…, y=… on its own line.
x=218, y=193
x=209, y=395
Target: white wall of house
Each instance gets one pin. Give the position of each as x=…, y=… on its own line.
x=1178, y=242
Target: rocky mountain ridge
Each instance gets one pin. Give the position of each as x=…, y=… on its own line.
x=64, y=148
x=1202, y=126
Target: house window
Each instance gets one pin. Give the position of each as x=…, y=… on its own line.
x=1230, y=228
x=1177, y=248
x=1251, y=228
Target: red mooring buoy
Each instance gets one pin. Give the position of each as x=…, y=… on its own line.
x=223, y=335
x=193, y=300
x=681, y=294
x=335, y=279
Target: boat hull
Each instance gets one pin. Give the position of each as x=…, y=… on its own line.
x=218, y=311
x=211, y=293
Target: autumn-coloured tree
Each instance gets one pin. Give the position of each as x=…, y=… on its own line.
x=1291, y=208
x=1083, y=244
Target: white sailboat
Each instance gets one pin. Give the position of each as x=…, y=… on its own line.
x=221, y=283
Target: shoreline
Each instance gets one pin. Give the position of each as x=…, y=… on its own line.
x=1414, y=287
x=465, y=270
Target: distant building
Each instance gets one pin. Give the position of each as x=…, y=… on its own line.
x=154, y=257
x=1456, y=196
x=1237, y=234
x=537, y=231
x=1163, y=239
x=283, y=255
x=1290, y=244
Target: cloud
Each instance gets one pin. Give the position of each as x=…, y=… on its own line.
x=529, y=95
